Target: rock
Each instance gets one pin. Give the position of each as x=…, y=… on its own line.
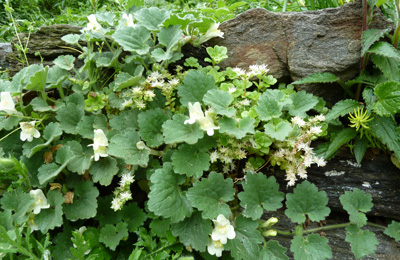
x=297, y=44
x=46, y=41
x=5, y=49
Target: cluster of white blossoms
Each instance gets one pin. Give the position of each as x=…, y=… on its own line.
x=254, y=70
x=123, y=193
x=100, y=143
x=39, y=204
x=295, y=154
x=223, y=230
x=204, y=119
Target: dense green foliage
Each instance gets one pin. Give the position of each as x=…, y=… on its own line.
x=131, y=156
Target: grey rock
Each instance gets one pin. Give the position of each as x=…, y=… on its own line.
x=297, y=44
x=5, y=49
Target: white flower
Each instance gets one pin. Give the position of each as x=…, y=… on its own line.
x=126, y=195
x=223, y=230
x=116, y=204
x=315, y=130
x=258, y=70
x=211, y=33
x=239, y=71
x=128, y=20
x=40, y=201
x=127, y=103
x=173, y=82
x=298, y=121
x=245, y=102
x=207, y=124
x=195, y=113
x=214, y=156
x=137, y=91
x=126, y=179
x=149, y=94
x=100, y=143
x=140, y=104
x=319, y=161
x=28, y=131
x=231, y=90
x=7, y=104
x=93, y=25
x=215, y=248
x=31, y=223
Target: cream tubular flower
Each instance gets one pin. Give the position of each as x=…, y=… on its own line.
x=207, y=124
x=128, y=20
x=223, y=230
x=195, y=113
x=100, y=143
x=28, y=131
x=215, y=248
x=93, y=25
x=41, y=201
x=7, y=104
x=212, y=32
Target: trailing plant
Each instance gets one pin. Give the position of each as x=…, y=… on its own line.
x=133, y=156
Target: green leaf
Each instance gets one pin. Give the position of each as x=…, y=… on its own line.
x=70, y=115
x=22, y=78
x=268, y=107
x=112, y=235
x=40, y=105
x=50, y=218
x=217, y=53
x=388, y=94
x=340, y=139
x=133, y=215
x=259, y=193
x=388, y=66
x=125, y=80
x=341, y=108
x=152, y=18
x=150, y=125
x=306, y=200
x=19, y=202
x=8, y=122
x=50, y=133
x=56, y=77
x=302, y=102
x=356, y=203
x=220, y=101
x=370, y=36
x=48, y=172
x=237, y=129
x=82, y=158
x=195, y=85
x=126, y=119
x=176, y=131
x=133, y=39
x=393, y=230
x=71, y=38
x=166, y=198
x=37, y=82
x=210, y=195
x=124, y=146
x=325, y=77
x=65, y=62
x=360, y=147
x=385, y=49
x=190, y=161
x=104, y=170
x=246, y=243
x=169, y=37
x=193, y=231
x=311, y=247
x=273, y=251
x=362, y=242
x=85, y=201
x=385, y=129
x=278, y=130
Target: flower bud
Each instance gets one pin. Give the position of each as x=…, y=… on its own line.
x=270, y=222
x=270, y=233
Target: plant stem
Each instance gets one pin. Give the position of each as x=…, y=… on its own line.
x=10, y=133
x=285, y=2
x=329, y=227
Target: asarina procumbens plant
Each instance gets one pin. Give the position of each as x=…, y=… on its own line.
x=130, y=156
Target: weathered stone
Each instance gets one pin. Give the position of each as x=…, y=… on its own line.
x=46, y=41
x=5, y=49
x=297, y=44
